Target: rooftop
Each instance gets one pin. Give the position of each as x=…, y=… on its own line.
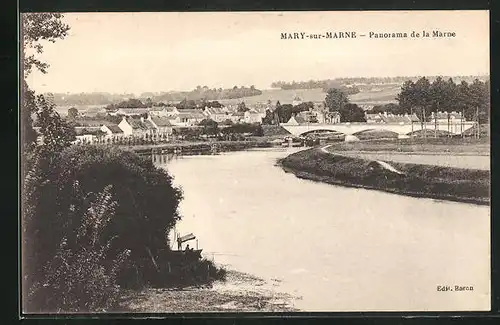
x=161, y=121
x=215, y=110
x=132, y=111
x=299, y=119
x=114, y=128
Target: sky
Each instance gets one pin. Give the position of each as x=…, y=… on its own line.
x=154, y=52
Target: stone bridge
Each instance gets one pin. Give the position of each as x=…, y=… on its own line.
x=352, y=128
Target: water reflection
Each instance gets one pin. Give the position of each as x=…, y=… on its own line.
x=162, y=159
x=340, y=249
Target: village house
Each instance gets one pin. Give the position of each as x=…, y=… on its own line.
x=156, y=110
x=366, y=107
x=255, y=114
x=296, y=120
x=451, y=120
x=112, y=131
x=389, y=118
x=308, y=116
x=252, y=116
x=92, y=111
x=230, y=109
x=131, y=111
x=237, y=117
x=296, y=101
x=88, y=134
x=320, y=115
x=332, y=117
x=374, y=118
x=188, y=117
x=164, y=111
x=163, y=126
x=217, y=114
x=135, y=127
x=445, y=117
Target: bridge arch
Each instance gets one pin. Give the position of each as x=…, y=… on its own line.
x=376, y=134
x=321, y=131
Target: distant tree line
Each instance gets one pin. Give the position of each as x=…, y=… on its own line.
x=401, y=79
x=94, y=98
x=201, y=104
x=423, y=97
x=197, y=94
x=148, y=103
x=338, y=82
x=205, y=93
x=315, y=84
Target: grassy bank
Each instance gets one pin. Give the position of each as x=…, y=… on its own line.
x=445, y=183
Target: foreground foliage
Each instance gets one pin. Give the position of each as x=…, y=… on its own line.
x=80, y=276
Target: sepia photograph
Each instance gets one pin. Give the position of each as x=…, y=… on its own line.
x=208, y=162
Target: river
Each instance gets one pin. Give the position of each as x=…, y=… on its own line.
x=334, y=248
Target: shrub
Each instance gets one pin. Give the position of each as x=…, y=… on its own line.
x=81, y=277
x=147, y=208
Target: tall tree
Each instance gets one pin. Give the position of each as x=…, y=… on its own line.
x=479, y=101
x=407, y=97
x=242, y=107
x=335, y=100
x=352, y=113
x=56, y=133
x=28, y=108
x=72, y=113
x=449, y=103
x=423, y=98
x=438, y=95
x=36, y=28
x=463, y=98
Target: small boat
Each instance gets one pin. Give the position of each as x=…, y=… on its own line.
x=186, y=252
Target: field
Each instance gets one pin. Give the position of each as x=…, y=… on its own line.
x=385, y=95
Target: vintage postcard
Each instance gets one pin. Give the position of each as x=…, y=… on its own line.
x=255, y=162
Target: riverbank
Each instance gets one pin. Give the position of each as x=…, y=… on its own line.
x=240, y=292
x=443, y=183
x=198, y=147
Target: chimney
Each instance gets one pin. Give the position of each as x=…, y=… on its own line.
x=142, y=119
